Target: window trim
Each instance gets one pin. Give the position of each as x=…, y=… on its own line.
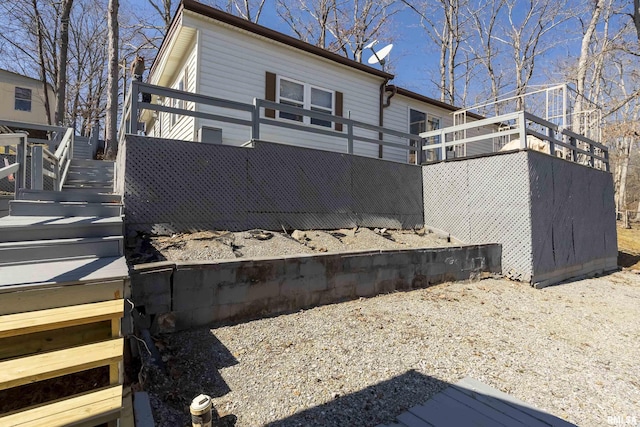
x=306, y=101
x=428, y=117
x=16, y=99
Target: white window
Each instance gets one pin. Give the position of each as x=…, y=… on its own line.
x=23, y=99
x=419, y=122
x=177, y=103
x=303, y=95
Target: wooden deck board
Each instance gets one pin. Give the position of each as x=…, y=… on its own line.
x=500, y=416
x=469, y=384
x=38, y=367
x=56, y=273
x=54, y=318
x=472, y=403
x=407, y=419
x=74, y=410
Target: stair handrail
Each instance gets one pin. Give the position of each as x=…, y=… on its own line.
x=18, y=168
x=53, y=165
x=64, y=154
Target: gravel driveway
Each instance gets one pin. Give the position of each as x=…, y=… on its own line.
x=572, y=350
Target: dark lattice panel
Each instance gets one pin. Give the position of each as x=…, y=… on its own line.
x=573, y=211
x=173, y=186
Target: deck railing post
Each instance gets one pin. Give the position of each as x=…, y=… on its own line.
x=36, y=167
x=71, y=142
x=606, y=162
x=443, y=148
x=21, y=156
x=133, y=111
x=350, y=138
x=523, y=129
x=574, y=155
x=255, y=119
x=552, y=146
x=591, y=160
x=58, y=180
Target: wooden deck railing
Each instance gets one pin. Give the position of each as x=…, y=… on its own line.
x=255, y=118
x=573, y=147
x=43, y=161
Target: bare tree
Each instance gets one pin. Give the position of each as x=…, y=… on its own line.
x=483, y=22
x=164, y=9
x=61, y=83
x=41, y=59
x=312, y=25
x=344, y=26
x=636, y=17
x=443, y=29
x=111, y=125
x=581, y=73
x=529, y=33
x=251, y=10
x=360, y=21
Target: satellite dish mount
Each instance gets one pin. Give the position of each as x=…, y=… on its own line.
x=380, y=56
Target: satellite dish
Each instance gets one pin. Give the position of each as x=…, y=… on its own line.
x=380, y=56
x=370, y=45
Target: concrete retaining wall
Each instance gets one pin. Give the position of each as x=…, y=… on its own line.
x=555, y=219
x=176, y=186
x=199, y=294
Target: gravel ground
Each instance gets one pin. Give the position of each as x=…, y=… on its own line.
x=225, y=245
x=571, y=350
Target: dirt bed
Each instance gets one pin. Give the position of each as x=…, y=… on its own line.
x=224, y=245
x=569, y=349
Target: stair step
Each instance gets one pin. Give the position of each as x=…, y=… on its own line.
x=90, y=174
x=83, y=186
x=88, y=181
x=89, y=196
x=39, y=275
x=92, y=190
x=65, y=209
x=26, y=228
x=43, y=366
x=55, y=318
x=99, y=406
x=92, y=163
x=57, y=249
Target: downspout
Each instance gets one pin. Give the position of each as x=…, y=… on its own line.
x=383, y=105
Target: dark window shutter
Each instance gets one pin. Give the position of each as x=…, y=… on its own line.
x=339, y=96
x=270, y=93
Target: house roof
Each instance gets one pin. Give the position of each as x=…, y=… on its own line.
x=426, y=99
x=227, y=18
x=22, y=76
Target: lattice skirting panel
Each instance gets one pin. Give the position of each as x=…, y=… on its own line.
x=552, y=217
x=484, y=200
x=176, y=186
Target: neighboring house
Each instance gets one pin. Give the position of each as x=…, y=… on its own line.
x=213, y=53
x=23, y=98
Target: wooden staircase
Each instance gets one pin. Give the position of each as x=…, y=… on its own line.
x=62, y=287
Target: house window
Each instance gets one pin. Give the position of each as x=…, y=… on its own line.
x=303, y=95
x=419, y=122
x=177, y=103
x=23, y=99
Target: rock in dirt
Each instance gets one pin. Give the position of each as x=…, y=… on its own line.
x=300, y=236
